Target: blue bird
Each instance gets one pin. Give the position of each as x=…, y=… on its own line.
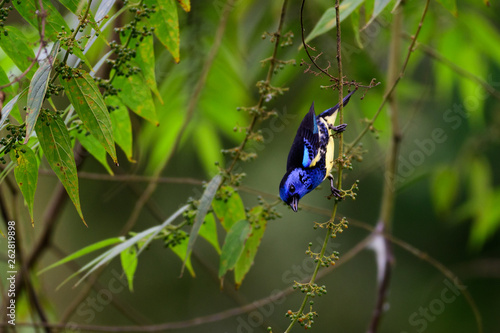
x=311, y=157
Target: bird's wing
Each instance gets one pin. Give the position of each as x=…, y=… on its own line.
x=330, y=114
x=305, y=147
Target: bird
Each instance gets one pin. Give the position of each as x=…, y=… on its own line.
x=311, y=157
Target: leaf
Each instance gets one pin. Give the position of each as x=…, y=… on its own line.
x=208, y=230
x=86, y=250
x=36, y=93
x=328, y=20
x=87, y=100
x=180, y=250
x=166, y=24
x=10, y=106
x=450, y=5
x=90, y=143
x=378, y=7
x=230, y=208
x=56, y=145
x=122, y=126
x=233, y=245
x=245, y=261
x=128, y=259
x=137, y=96
x=185, y=4
x=4, y=80
x=486, y=222
x=16, y=47
x=209, y=146
x=26, y=173
x=77, y=7
x=203, y=207
x=444, y=189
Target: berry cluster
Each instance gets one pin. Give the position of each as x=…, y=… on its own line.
x=4, y=13
x=11, y=140
x=305, y=320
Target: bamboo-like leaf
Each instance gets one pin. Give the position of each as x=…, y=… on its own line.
x=128, y=259
x=205, y=202
x=137, y=96
x=94, y=148
x=166, y=24
x=209, y=146
x=87, y=100
x=230, y=208
x=26, y=173
x=180, y=250
x=122, y=126
x=16, y=47
x=233, y=246
x=328, y=21
x=56, y=145
x=86, y=250
x=245, y=261
x=185, y=4
x=378, y=7
x=36, y=93
x=10, y=106
x=208, y=230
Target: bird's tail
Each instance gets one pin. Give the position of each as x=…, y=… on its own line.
x=327, y=114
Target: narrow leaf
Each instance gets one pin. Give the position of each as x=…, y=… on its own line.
x=229, y=208
x=77, y=7
x=378, y=7
x=233, y=246
x=205, y=202
x=328, y=21
x=137, y=96
x=180, y=250
x=122, y=126
x=36, y=93
x=90, y=143
x=10, y=106
x=16, y=47
x=86, y=250
x=208, y=230
x=87, y=100
x=128, y=259
x=450, y=5
x=56, y=145
x=245, y=261
x=444, y=189
x=166, y=24
x=26, y=173
x=185, y=4
x=209, y=146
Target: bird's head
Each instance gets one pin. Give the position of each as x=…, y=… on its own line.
x=292, y=188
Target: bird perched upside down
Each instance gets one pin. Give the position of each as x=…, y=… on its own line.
x=311, y=157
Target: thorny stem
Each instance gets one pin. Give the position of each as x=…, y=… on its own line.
x=339, y=174
x=272, y=65
x=395, y=83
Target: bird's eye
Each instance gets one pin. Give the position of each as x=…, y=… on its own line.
x=292, y=188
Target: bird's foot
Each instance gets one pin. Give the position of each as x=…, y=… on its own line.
x=336, y=193
x=338, y=129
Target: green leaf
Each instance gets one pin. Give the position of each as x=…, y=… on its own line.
x=185, y=4
x=209, y=146
x=180, y=250
x=378, y=7
x=36, y=93
x=233, y=245
x=128, y=259
x=90, y=143
x=208, y=230
x=205, y=202
x=122, y=126
x=87, y=100
x=77, y=7
x=86, y=250
x=137, y=96
x=145, y=59
x=56, y=145
x=444, y=189
x=4, y=80
x=16, y=47
x=166, y=24
x=328, y=21
x=26, y=173
x=10, y=106
x=245, y=261
x=450, y=5
x=229, y=209
x=486, y=221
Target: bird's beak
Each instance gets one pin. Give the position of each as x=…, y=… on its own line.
x=295, y=203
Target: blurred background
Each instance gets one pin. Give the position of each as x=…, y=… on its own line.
x=448, y=194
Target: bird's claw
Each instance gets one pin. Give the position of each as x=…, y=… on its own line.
x=339, y=129
x=335, y=191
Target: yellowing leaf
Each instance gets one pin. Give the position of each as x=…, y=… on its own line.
x=208, y=230
x=122, y=126
x=87, y=100
x=166, y=23
x=56, y=145
x=230, y=208
x=26, y=173
x=137, y=96
x=185, y=4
